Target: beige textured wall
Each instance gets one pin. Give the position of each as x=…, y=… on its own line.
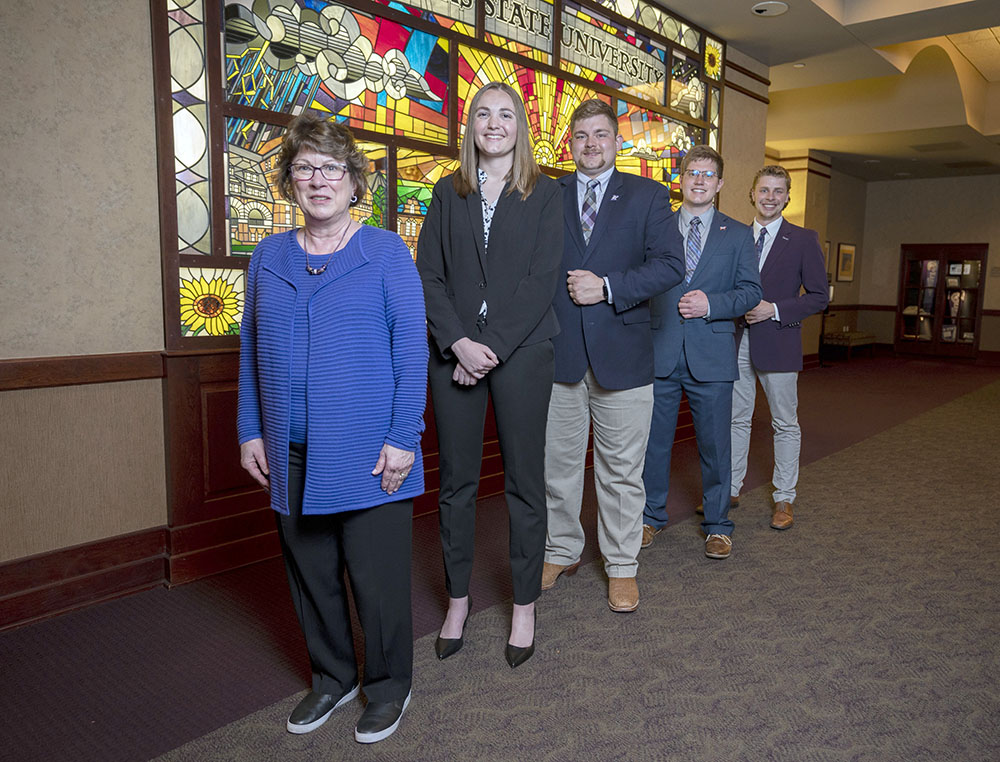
x=79, y=242
x=80, y=463
x=744, y=122
x=846, y=224
x=944, y=210
x=80, y=274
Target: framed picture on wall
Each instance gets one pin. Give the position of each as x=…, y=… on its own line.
x=845, y=262
x=826, y=255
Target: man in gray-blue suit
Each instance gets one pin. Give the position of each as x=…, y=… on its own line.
x=695, y=350
x=616, y=254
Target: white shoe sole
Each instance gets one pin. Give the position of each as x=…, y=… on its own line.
x=300, y=729
x=374, y=737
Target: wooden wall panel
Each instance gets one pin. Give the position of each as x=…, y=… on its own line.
x=218, y=518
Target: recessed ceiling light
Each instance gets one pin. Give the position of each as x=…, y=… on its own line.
x=769, y=8
x=799, y=65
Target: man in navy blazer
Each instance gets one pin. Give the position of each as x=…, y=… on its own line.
x=695, y=349
x=793, y=278
x=616, y=254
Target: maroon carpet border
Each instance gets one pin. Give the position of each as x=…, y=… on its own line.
x=47, y=584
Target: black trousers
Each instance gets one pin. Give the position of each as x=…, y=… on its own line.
x=374, y=546
x=520, y=389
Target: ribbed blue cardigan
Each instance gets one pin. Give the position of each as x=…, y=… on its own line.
x=367, y=375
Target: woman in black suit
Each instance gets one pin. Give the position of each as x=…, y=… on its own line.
x=489, y=257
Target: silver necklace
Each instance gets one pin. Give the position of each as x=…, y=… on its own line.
x=321, y=270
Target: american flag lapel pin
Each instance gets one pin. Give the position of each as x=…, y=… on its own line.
x=614, y=198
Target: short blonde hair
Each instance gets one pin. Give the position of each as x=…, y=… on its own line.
x=524, y=172
x=771, y=170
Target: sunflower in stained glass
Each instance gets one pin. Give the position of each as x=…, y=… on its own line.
x=713, y=59
x=210, y=306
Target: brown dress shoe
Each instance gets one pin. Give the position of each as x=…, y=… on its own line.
x=734, y=502
x=551, y=572
x=718, y=546
x=623, y=594
x=782, y=516
x=648, y=533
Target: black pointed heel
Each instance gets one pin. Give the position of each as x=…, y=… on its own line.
x=516, y=655
x=445, y=647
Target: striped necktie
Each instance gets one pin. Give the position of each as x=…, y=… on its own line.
x=760, y=244
x=692, y=251
x=589, y=215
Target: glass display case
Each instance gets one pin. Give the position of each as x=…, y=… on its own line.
x=940, y=299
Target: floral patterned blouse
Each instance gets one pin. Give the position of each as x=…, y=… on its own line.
x=488, y=208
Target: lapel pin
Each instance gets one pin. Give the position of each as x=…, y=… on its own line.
x=614, y=198
x=722, y=227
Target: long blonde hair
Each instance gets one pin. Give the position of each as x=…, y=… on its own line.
x=524, y=171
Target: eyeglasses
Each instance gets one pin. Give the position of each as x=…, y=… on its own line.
x=708, y=174
x=331, y=172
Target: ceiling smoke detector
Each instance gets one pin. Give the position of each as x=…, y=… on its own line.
x=769, y=8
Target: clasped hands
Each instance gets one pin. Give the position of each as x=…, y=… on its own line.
x=475, y=360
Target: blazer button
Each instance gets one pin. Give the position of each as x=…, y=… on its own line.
x=482, y=284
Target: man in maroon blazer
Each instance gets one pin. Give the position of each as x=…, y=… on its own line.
x=793, y=279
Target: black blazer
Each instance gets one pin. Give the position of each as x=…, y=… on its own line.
x=631, y=246
x=517, y=275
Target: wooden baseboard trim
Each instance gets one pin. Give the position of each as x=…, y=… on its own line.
x=204, y=562
x=41, y=372
x=863, y=307
x=47, y=584
x=987, y=358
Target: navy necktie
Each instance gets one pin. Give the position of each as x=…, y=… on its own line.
x=760, y=244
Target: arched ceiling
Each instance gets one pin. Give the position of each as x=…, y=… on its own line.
x=887, y=88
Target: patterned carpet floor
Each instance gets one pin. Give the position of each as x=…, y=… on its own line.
x=867, y=632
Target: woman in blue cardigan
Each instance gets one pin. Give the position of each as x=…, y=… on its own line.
x=333, y=364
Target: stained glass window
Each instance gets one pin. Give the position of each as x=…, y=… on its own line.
x=291, y=55
x=687, y=91
x=590, y=39
x=713, y=58
x=653, y=146
x=387, y=77
x=523, y=27
x=714, y=115
x=190, y=125
x=457, y=15
x=371, y=209
x=416, y=174
x=211, y=301
x=255, y=209
x=655, y=20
